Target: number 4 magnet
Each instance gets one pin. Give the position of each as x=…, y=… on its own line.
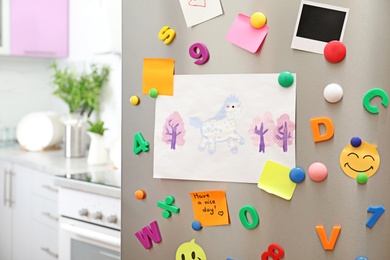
x=140, y=145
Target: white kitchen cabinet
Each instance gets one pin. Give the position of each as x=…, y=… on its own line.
x=45, y=217
x=21, y=212
x=28, y=216
x=5, y=212
x=17, y=212
x=45, y=242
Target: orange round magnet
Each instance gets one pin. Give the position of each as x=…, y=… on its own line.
x=140, y=194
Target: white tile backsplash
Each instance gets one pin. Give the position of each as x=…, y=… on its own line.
x=25, y=87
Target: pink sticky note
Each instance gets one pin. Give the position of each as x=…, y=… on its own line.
x=244, y=35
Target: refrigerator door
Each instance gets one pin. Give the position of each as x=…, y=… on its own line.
x=324, y=219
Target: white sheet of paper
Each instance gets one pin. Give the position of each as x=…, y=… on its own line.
x=199, y=11
x=226, y=147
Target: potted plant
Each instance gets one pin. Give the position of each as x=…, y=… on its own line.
x=97, y=150
x=81, y=92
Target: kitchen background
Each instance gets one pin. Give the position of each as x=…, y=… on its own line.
x=47, y=197
x=94, y=37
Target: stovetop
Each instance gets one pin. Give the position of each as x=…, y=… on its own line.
x=108, y=178
x=103, y=182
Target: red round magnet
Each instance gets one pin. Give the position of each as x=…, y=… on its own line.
x=335, y=51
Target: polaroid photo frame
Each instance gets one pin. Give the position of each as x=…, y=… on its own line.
x=317, y=24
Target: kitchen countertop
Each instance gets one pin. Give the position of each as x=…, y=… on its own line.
x=54, y=162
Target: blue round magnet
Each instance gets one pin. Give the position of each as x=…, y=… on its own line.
x=297, y=175
x=196, y=225
x=356, y=141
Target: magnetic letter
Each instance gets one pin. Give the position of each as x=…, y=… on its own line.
x=149, y=233
x=375, y=92
x=315, y=129
x=328, y=244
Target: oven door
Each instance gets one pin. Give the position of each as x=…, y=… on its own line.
x=83, y=241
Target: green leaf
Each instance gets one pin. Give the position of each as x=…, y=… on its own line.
x=76, y=90
x=97, y=128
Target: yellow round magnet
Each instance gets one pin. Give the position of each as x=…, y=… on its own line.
x=134, y=100
x=258, y=20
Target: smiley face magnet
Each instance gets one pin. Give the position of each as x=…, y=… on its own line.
x=359, y=157
x=190, y=250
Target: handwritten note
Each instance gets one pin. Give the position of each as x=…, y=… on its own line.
x=210, y=208
x=158, y=74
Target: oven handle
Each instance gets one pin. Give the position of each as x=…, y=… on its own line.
x=92, y=235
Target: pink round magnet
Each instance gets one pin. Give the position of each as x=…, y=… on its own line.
x=317, y=172
x=335, y=51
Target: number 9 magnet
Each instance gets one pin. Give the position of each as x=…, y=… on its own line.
x=199, y=51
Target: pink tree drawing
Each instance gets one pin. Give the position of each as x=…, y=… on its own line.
x=284, y=130
x=261, y=131
x=173, y=131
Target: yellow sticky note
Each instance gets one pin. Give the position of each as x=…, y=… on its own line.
x=210, y=208
x=275, y=179
x=158, y=74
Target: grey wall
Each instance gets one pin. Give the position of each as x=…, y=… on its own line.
x=338, y=200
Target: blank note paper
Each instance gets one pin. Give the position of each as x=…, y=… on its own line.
x=275, y=179
x=244, y=35
x=158, y=74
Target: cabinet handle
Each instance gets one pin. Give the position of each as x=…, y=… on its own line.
x=5, y=187
x=9, y=199
x=47, y=250
x=49, y=188
x=32, y=52
x=10, y=189
x=49, y=215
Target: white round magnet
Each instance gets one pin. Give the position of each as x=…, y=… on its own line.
x=333, y=93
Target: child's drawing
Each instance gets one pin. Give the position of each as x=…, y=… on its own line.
x=264, y=132
x=284, y=132
x=261, y=131
x=223, y=127
x=173, y=131
x=197, y=3
x=220, y=128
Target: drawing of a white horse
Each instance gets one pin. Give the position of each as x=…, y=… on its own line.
x=220, y=128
